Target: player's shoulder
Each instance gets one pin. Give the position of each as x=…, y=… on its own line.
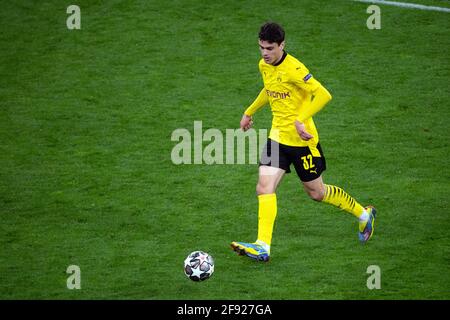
x=261, y=64
x=296, y=65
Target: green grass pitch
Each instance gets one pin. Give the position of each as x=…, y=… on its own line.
x=86, y=176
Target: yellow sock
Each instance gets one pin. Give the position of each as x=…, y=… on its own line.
x=267, y=212
x=341, y=199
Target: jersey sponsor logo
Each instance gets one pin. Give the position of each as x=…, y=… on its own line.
x=307, y=77
x=278, y=95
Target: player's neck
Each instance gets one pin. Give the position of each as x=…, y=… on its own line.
x=281, y=59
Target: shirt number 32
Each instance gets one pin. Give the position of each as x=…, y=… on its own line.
x=308, y=162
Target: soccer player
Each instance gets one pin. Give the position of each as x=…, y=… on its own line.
x=294, y=96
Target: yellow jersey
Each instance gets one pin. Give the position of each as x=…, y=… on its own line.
x=288, y=86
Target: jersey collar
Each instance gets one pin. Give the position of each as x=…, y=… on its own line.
x=281, y=60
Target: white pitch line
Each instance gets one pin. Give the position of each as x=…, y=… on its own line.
x=406, y=5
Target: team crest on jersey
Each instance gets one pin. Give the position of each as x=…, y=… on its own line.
x=280, y=76
x=307, y=77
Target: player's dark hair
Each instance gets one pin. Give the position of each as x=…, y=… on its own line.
x=271, y=32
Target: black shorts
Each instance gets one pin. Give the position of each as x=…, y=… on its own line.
x=307, y=166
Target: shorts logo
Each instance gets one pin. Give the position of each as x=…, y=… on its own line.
x=307, y=77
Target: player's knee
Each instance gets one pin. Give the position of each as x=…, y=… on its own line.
x=264, y=188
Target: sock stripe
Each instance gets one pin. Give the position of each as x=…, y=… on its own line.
x=329, y=190
x=349, y=199
x=341, y=199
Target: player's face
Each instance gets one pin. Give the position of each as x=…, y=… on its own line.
x=271, y=52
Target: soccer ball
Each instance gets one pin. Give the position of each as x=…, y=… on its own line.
x=198, y=266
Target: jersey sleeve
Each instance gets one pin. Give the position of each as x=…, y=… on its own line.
x=321, y=98
x=259, y=102
x=303, y=79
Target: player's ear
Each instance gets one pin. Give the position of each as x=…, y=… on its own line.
x=282, y=45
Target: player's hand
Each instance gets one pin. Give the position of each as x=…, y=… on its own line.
x=301, y=130
x=246, y=122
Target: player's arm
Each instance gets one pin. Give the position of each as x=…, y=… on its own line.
x=260, y=101
x=318, y=98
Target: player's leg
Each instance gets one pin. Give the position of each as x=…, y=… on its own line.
x=269, y=178
x=337, y=197
x=273, y=166
x=333, y=195
x=309, y=164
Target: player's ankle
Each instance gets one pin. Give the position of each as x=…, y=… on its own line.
x=364, y=216
x=264, y=245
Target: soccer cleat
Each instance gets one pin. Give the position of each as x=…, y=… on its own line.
x=251, y=250
x=368, y=227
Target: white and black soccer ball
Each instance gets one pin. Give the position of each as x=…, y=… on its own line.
x=198, y=266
